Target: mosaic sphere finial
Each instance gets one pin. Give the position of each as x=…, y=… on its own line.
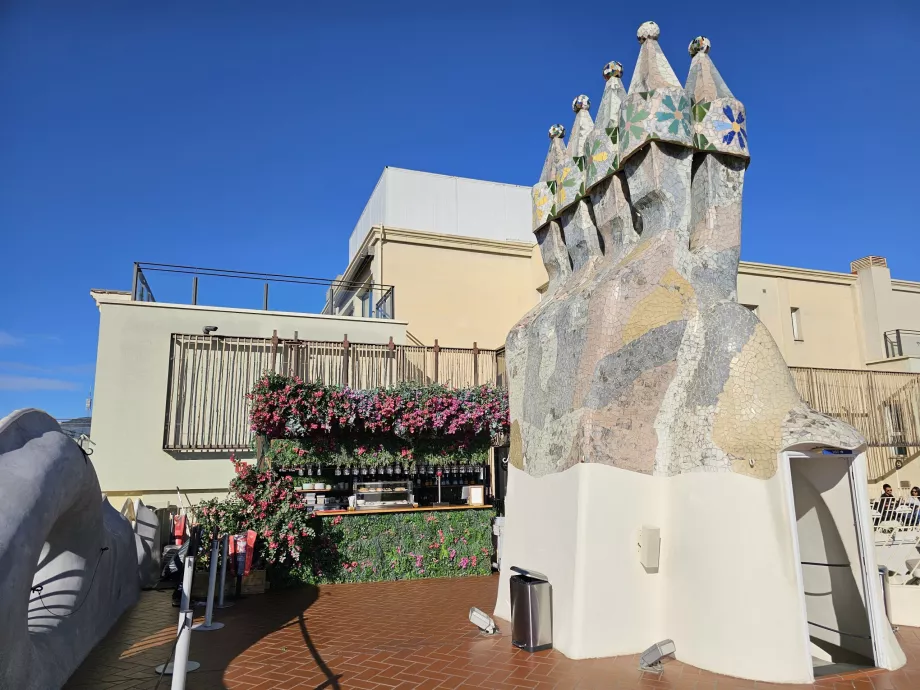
x=649, y=30
x=613, y=69
x=556, y=132
x=700, y=44
x=581, y=102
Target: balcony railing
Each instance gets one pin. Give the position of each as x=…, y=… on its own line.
x=902, y=343
x=209, y=377
x=376, y=300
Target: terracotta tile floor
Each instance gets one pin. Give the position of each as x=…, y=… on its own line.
x=388, y=636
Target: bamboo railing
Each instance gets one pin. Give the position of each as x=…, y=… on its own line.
x=883, y=405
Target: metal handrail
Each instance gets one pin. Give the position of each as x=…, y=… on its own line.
x=252, y=275
x=141, y=292
x=894, y=341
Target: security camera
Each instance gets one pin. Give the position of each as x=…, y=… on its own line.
x=208, y=330
x=483, y=621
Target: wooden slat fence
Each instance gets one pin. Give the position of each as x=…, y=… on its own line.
x=209, y=376
x=884, y=406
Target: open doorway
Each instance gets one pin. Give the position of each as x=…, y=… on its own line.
x=833, y=567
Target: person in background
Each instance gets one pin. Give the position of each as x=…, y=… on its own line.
x=886, y=504
x=914, y=504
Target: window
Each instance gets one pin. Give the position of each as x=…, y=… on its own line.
x=796, y=324
x=752, y=307
x=367, y=304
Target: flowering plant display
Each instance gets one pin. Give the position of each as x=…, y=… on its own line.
x=312, y=423
x=266, y=503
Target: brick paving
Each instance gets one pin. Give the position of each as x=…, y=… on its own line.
x=389, y=636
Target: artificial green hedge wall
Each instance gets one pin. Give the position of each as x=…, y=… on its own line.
x=393, y=546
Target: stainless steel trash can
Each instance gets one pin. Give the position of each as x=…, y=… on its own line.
x=531, y=610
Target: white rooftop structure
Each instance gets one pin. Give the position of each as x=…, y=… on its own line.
x=413, y=200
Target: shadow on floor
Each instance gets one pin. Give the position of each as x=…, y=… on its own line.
x=144, y=638
x=244, y=631
x=332, y=680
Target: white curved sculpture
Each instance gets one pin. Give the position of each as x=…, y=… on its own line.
x=68, y=559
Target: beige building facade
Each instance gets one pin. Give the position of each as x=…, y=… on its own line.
x=457, y=290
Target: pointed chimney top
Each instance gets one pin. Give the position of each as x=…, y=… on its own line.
x=652, y=69
x=580, y=129
x=608, y=112
x=704, y=83
x=555, y=154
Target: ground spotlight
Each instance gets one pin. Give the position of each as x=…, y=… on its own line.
x=483, y=621
x=651, y=657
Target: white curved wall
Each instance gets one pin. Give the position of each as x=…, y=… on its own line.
x=727, y=589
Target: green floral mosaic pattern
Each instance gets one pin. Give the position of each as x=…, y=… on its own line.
x=628, y=122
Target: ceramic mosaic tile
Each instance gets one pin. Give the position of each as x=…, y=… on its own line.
x=544, y=192
x=602, y=148
x=704, y=115
x=570, y=170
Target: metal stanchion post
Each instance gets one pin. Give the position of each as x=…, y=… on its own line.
x=182, y=647
x=225, y=554
x=208, y=624
x=186, y=614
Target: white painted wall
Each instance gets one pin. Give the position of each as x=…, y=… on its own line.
x=414, y=200
x=131, y=379
x=905, y=605
x=733, y=602
x=728, y=590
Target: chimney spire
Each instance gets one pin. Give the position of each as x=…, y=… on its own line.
x=719, y=122
x=601, y=147
x=653, y=71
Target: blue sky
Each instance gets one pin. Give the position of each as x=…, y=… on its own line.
x=249, y=135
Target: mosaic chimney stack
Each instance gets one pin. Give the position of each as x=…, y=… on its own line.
x=640, y=232
x=639, y=362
